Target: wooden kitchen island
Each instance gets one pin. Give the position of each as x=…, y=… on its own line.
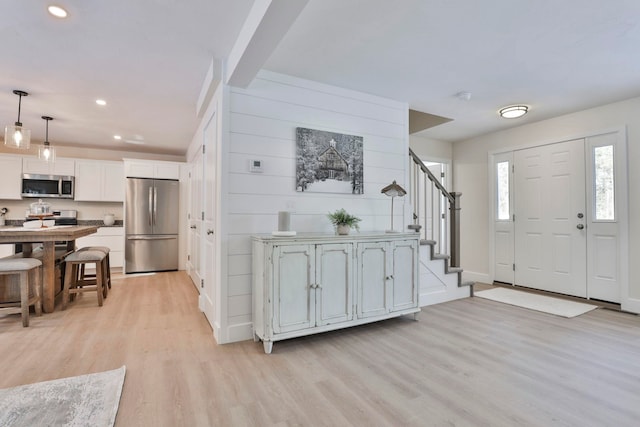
x=48, y=237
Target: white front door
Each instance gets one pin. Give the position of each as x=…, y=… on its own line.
x=550, y=233
x=605, y=218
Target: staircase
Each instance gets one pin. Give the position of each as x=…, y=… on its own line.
x=436, y=214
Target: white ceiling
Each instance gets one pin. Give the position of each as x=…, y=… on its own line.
x=148, y=59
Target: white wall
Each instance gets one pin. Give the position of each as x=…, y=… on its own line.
x=470, y=176
x=428, y=148
x=262, y=125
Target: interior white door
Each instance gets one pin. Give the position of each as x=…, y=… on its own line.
x=208, y=232
x=550, y=234
x=195, y=220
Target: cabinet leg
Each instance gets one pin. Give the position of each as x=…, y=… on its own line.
x=256, y=338
x=415, y=316
x=268, y=346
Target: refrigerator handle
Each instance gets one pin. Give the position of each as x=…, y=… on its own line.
x=150, y=205
x=155, y=204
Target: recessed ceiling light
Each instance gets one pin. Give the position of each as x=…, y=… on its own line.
x=101, y=102
x=57, y=11
x=514, y=111
x=118, y=137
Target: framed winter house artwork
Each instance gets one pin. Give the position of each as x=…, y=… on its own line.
x=328, y=162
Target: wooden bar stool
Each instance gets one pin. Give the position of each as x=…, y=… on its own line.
x=28, y=271
x=107, y=265
x=73, y=284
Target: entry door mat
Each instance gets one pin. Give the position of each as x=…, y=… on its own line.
x=86, y=400
x=545, y=304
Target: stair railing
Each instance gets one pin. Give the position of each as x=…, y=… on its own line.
x=429, y=199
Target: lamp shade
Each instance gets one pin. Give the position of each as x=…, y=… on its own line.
x=393, y=190
x=16, y=136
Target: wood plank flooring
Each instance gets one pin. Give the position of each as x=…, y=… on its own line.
x=471, y=362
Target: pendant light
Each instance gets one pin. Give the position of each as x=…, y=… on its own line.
x=46, y=152
x=15, y=135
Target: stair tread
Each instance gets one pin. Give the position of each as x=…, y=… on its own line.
x=427, y=242
x=454, y=270
x=441, y=256
x=467, y=283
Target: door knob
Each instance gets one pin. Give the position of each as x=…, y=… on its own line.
x=209, y=231
x=580, y=215
x=579, y=226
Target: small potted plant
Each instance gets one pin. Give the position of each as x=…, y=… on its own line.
x=3, y=212
x=343, y=221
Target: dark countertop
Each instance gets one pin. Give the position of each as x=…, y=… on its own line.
x=99, y=222
x=92, y=222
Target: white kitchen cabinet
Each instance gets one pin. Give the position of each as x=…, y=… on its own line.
x=61, y=166
x=111, y=237
x=10, y=177
x=151, y=169
x=99, y=181
x=308, y=284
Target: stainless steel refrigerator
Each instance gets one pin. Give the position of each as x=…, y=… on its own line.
x=151, y=225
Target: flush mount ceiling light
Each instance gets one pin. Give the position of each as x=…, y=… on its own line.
x=15, y=135
x=514, y=111
x=57, y=11
x=117, y=137
x=46, y=151
x=101, y=102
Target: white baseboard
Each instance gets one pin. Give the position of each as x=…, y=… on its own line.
x=632, y=305
x=239, y=332
x=440, y=296
x=472, y=276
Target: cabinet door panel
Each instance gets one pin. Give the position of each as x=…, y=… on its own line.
x=373, y=271
x=113, y=182
x=293, y=299
x=405, y=270
x=10, y=177
x=334, y=277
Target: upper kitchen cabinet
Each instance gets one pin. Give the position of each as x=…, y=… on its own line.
x=99, y=181
x=151, y=169
x=59, y=167
x=10, y=177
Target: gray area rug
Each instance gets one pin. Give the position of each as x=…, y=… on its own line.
x=86, y=400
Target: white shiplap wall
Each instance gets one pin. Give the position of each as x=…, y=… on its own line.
x=262, y=126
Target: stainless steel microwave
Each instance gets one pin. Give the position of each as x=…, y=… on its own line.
x=40, y=186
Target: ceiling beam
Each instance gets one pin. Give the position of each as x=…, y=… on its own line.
x=267, y=23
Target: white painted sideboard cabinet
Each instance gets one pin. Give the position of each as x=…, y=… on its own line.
x=314, y=283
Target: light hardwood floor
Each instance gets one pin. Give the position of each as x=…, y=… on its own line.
x=470, y=362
